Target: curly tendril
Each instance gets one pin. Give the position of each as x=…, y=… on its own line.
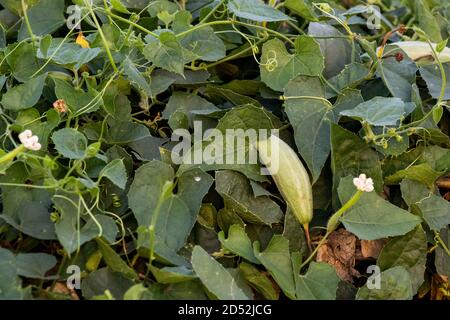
x=271, y=62
x=219, y=14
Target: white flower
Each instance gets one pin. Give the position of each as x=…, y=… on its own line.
x=29, y=141
x=363, y=183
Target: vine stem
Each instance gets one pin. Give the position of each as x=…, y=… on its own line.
x=30, y=186
x=443, y=75
x=313, y=254
x=441, y=242
x=12, y=154
x=333, y=222
x=212, y=11
x=323, y=100
x=131, y=23
x=102, y=35
x=307, y=235
x=228, y=58
x=27, y=21
x=199, y=26
x=60, y=269
x=166, y=192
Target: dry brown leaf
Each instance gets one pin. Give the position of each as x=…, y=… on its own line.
x=61, y=287
x=443, y=183
x=440, y=288
x=339, y=251
x=372, y=248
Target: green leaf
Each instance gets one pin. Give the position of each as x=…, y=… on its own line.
x=437, y=114
x=78, y=101
x=229, y=95
x=16, y=6
x=22, y=60
x=25, y=95
x=193, y=185
x=125, y=132
x=34, y=265
x=186, y=103
x=27, y=210
x=278, y=66
x=442, y=259
x=310, y=117
x=351, y=156
x=178, y=213
x=238, y=243
x=118, y=6
x=435, y=211
x=97, y=282
x=421, y=173
x=31, y=217
x=244, y=117
x=147, y=148
x=248, y=117
x=398, y=76
x=114, y=261
x=172, y=274
x=70, y=143
x=347, y=99
x=433, y=78
x=203, y=42
x=238, y=196
x=140, y=292
x=45, y=17
x=158, y=6
x=381, y=111
x=293, y=231
x=395, y=284
x=255, y=10
x=350, y=76
x=427, y=21
x=173, y=225
x=372, y=217
x=116, y=104
x=336, y=50
x=408, y=251
x=441, y=45
x=215, y=277
x=136, y=77
x=69, y=54
x=115, y=171
x=71, y=229
x=258, y=281
x=187, y=290
x=303, y=8
x=277, y=260
x=143, y=196
x=319, y=283
x=413, y=192
x=10, y=283
x=166, y=52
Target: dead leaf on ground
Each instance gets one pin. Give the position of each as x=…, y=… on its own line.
x=61, y=287
x=440, y=288
x=339, y=251
x=372, y=248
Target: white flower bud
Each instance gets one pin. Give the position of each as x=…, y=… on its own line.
x=29, y=141
x=363, y=183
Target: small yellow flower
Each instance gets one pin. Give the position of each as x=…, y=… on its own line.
x=81, y=40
